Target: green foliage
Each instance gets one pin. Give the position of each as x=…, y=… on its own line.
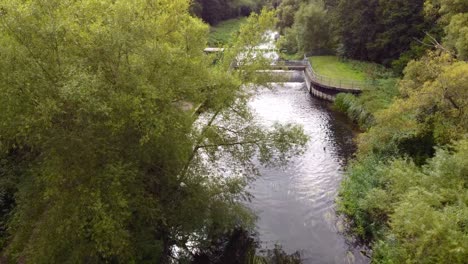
x=363, y=176
x=223, y=33
x=361, y=109
x=431, y=111
x=311, y=31
x=287, y=56
x=14, y=166
x=288, y=42
x=352, y=106
x=378, y=96
x=438, y=82
x=286, y=11
x=414, y=213
x=398, y=22
x=453, y=17
x=382, y=30
x=457, y=35
x=215, y=11
x=429, y=210
x=100, y=147
x=391, y=33
x=417, y=49
x=410, y=200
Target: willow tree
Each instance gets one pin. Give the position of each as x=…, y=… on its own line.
x=111, y=120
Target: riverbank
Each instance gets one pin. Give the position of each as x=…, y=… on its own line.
x=377, y=95
x=405, y=192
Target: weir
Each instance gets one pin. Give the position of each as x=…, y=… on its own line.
x=320, y=86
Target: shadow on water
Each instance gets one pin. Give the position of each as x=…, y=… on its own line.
x=240, y=247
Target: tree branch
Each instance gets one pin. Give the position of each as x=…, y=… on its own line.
x=228, y=144
x=199, y=141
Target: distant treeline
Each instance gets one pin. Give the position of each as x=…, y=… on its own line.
x=390, y=32
x=214, y=11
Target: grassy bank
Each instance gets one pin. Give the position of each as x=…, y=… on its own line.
x=361, y=109
x=222, y=33
x=376, y=96
x=333, y=67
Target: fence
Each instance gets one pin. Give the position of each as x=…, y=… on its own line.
x=335, y=83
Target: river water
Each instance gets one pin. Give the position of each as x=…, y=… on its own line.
x=296, y=204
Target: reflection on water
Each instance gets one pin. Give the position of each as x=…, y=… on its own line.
x=295, y=204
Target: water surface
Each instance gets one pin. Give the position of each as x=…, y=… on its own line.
x=296, y=204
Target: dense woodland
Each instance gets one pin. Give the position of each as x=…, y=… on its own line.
x=406, y=193
x=385, y=32
x=214, y=11
x=106, y=153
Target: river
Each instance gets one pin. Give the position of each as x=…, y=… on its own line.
x=296, y=204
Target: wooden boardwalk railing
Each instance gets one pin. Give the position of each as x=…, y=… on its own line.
x=334, y=82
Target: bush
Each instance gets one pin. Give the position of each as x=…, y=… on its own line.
x=359, y=180
x=351, y=105
x=415, y=214
x=361, y=109
x=429, y=224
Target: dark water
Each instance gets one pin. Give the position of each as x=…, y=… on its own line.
x=296, y=204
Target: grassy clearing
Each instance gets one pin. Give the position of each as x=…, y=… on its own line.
x=333, y=67
x=222, y=33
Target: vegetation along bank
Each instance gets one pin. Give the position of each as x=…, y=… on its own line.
x=406, y=192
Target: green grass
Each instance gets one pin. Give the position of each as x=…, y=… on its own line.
x=286, y=56
x=222, y=33
x=333, y=67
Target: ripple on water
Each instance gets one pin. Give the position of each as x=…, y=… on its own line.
x=295, y=204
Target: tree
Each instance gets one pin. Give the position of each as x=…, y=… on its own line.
x=454, y=18
x=358, y=26
x=214, y=11
x=286, y=11
x=399, y=23
x=311, y=32
x=313, y=28
x=457, y=35
x=382, y=30
x=117, y=116
x=432, y=110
